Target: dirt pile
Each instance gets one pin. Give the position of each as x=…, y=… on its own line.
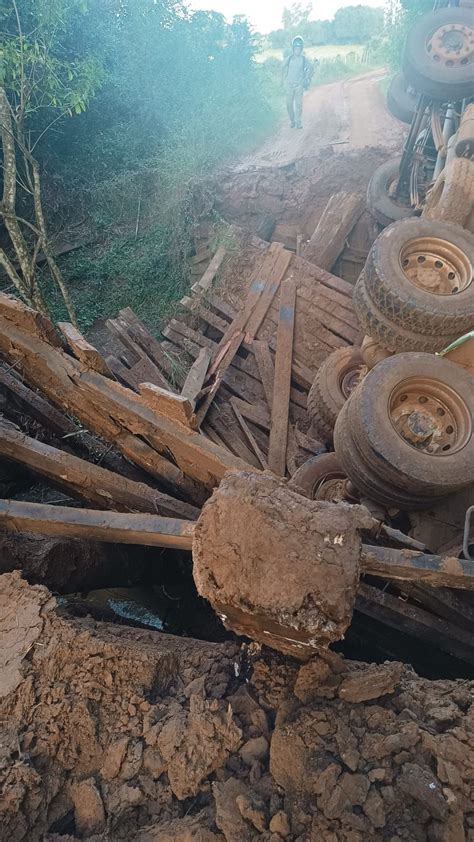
x=113, y=733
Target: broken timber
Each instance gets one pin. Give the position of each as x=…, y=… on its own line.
x=114, y=527
x=114, y=412
x=337, y=221
x=83, y=350
x=87, y=482
x=282, y=380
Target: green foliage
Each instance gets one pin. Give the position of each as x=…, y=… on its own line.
x=400, y=16
x=351, y=24
x=147, y=273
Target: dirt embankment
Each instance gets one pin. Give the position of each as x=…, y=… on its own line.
x=111, y=733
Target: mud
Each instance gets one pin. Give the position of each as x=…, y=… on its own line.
x=249, y=535
x=111, y=733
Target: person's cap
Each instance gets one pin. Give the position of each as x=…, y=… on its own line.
x=297, y=41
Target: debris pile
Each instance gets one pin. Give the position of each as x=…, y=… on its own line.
x=117, y=733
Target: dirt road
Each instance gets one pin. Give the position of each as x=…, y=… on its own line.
x=351, y=114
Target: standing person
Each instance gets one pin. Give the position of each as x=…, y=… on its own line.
x=297, y=72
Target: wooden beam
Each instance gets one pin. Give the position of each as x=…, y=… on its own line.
x=112, y=527
x=410, y=566
x=272, y=285
x=415, y=621
x=25, y=318
x=65, y=428
x=196, y=376
x=175, y=407
x=143, y=368
x=206, y=281
x=83, y=350
x=109, y=409
x=249, y=436
x=337, y=221
x=266, y=368
x=282, y=382
x=95, y=485
x=144, y=339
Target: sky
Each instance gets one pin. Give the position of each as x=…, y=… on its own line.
x=265, y=15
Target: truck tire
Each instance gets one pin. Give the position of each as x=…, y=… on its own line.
x=451, y=198
x=419, y=273
x=382, y=206
x=387, y=333
x=401, y=102
x=408, y=429
x=362, y=475
x=336, y=378
x=437, y=58
x=321, y=478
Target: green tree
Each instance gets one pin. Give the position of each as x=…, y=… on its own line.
x=296, y=15
x=40, y=83
x=356, y=24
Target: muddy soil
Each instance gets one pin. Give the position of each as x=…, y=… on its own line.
x=111, y=733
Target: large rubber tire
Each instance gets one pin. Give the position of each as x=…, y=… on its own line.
x=326, y=396
x=451, y=198
x=401, y=102
x=362, y=475
x=387, y=333
x=315, y=471
x=367, y=442
x=379, y=202
x=436, y=79
x=403, y=302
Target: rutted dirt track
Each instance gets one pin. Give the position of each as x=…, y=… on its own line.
x=350, y=114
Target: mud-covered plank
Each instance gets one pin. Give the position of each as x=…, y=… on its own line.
x=336, y=223
x=95, y=485
x=435, y=570
x=116, y=527
x=282, y=380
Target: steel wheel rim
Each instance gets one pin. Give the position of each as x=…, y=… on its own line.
x=330, y=485
x=430, y=416
x=350, y=378
x=451, y=45
x=436, y=266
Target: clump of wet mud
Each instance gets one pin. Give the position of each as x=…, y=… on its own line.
x=114, y=733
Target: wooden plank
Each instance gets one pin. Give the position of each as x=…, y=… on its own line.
x=114, y=527
x=196, y=376
x=95, y=485
x=19, y=315
x=206, y=281
x=143, y=368
x=175, y=407
x=108, y=408
x=199, y=310
x=282, y=381
x=272, y=286
x=65, y=428
x=83, y=350
x=408, y=565
x=412, y=620
x=222, y=419
x=249, y=436
x=337, y=221
x=256, y=413
x=137, y=331
x=221, y=307
x=266, y=368
x=222, y=367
